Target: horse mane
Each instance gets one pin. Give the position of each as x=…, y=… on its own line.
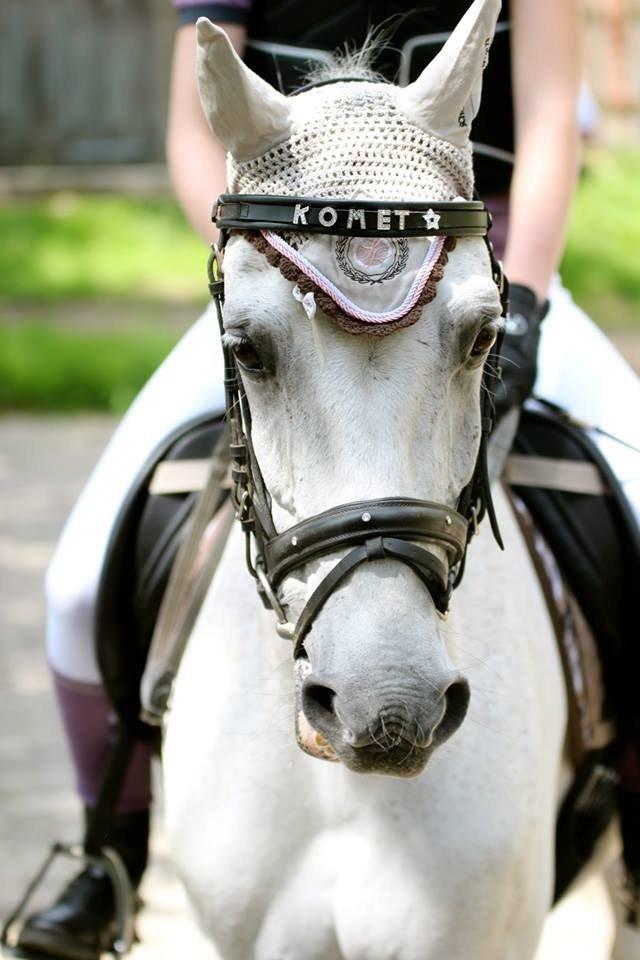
x=353, y=63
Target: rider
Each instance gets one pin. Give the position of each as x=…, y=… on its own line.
x=535, y=111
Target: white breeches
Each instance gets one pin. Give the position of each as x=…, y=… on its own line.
x=188, y=383
x=579, y=370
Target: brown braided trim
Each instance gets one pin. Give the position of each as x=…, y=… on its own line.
x=349, y=324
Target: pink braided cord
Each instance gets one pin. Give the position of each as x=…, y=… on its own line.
x=346, y=305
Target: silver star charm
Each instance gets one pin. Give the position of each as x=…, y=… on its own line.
x=432, y=219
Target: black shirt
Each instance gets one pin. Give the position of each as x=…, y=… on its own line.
x=286, y=35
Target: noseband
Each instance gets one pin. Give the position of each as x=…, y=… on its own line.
x=393, y=527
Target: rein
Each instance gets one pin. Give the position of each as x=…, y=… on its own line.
x=392, y=527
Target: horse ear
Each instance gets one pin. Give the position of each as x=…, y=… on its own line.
x=445, y=98
x=245, y=112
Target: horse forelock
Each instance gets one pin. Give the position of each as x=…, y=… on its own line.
x=354, y=63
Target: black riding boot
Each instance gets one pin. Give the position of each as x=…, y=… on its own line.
x=80, y=924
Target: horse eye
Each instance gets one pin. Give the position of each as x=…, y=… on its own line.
x=247, y=356
x=484, y=341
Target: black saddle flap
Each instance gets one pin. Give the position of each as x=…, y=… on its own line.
x=595, y=541
x=144, y=543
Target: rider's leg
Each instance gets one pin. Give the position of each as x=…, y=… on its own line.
x=581, y=370
x=189, y=383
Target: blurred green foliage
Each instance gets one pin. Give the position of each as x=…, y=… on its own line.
x=64, y=253
x=52, y=368
x=601, y=266
x=70, y=246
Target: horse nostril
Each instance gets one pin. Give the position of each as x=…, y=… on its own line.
x=456, y=699
x=323, y=697
x=318, y=703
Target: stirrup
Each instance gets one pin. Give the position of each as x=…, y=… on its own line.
x=113, y=866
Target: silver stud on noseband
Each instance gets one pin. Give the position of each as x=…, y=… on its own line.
x=366, y=517
x=294, y=541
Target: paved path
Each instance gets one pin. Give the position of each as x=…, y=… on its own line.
x=42, y=464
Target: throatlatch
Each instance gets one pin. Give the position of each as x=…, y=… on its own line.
x=375, y=529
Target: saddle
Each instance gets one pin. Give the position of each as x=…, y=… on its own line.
x=149, y=531
x=585, y=546
x=583, y=541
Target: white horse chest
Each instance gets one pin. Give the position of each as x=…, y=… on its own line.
x=287, y=857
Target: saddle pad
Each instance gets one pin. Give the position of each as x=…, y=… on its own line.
x=588, y=728
x=596, y=543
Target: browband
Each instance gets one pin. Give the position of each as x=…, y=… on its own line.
x=352, y=218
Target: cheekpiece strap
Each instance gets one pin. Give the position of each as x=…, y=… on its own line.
x=348, y=218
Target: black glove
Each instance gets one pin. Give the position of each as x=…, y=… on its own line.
x=519, y=348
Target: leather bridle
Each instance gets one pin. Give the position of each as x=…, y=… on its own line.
x=393, y=527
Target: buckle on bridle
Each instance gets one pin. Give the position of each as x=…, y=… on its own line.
x=243, y=506
x=215, y=274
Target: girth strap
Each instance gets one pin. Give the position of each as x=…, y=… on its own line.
x=349, y=524
x=429, y=569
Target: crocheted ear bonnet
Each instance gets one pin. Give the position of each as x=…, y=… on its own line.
x=350, y=141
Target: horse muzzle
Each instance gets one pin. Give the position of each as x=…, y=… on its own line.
x=375, y=728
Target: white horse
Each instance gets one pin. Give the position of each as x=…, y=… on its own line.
x=285, y=857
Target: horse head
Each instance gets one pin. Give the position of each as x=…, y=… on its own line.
x=340, y=415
